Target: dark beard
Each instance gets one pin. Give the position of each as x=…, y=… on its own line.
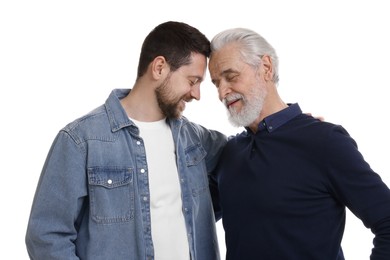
x=169, y=109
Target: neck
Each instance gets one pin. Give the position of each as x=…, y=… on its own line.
x=141, y=104
x=272, y=105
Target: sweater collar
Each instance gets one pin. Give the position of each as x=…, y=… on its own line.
x=274, y=121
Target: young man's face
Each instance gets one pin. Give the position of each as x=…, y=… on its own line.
x=181, y=86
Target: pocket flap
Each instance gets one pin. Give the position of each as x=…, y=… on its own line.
x=194, y=154
x=109, y=177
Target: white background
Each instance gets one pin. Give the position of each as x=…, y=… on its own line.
x=61, y=59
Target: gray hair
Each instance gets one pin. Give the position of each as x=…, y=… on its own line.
x=252, y=47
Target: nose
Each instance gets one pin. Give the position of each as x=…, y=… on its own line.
x=195, y=91
x=223, y=90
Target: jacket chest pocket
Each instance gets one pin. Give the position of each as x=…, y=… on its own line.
x=196, y=169
x=111, y=194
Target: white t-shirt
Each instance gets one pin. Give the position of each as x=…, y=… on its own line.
x=169, y=233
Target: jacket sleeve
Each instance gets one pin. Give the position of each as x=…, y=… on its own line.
x=359, y=188
x=213, y=142
x=59, y=197
x=214, y=191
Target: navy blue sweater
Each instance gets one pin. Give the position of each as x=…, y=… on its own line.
x=282, y=192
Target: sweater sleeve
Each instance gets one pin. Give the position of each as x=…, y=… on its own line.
x=381, y=240
x=358, y=187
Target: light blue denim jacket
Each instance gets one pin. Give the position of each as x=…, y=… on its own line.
x=92, y=199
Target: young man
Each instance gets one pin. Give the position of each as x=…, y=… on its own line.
x=129, y=179
x=284, y=183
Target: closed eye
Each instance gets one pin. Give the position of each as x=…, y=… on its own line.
x=231, y=77
x=194, y=81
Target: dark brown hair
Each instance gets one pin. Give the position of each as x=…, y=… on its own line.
x=175, y=41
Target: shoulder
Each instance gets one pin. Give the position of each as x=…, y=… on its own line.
x=306, y=124
x=94, y=124
x=197, y=128
x=318, y=134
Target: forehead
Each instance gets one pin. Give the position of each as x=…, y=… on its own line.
x=197, y=67
x=227, y=58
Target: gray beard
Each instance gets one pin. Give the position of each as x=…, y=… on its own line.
x=250, y=111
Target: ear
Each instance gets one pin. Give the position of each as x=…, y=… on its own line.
x=159, y=67
x=267, y=67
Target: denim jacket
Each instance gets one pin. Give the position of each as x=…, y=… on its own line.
x=92, y=199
